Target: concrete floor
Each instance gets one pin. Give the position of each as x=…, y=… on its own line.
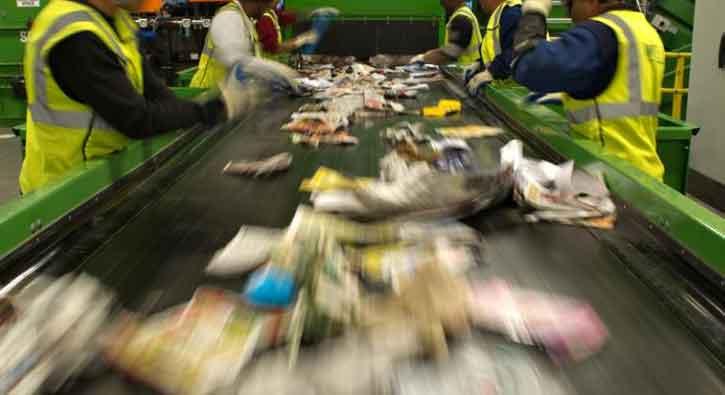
x=10, y=161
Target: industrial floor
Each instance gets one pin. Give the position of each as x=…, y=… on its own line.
x=10, y=161
x=155, y=259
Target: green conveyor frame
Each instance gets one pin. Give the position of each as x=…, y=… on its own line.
x=699, y=231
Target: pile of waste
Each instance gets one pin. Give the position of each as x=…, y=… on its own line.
x=374, y=275
x=559, y=193
x=352, y=92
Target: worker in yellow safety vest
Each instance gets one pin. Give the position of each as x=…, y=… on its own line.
x=497, y=47
x=233, y=44
x=609, y=67
x=269, y=31
x=90, y=92
x=462, y=39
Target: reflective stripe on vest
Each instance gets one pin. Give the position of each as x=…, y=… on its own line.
x=623, y=118
x=279, y=57
x=39, y=107
x=492, y=39
x=636, y=106
x=473, y=52
x=211, y=71
x=62, y=132
x=275, y=21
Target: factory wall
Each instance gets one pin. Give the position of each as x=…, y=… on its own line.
x=706, y=106
x=374, y=8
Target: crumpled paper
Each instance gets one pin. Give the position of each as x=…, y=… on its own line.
x=54, y=333
x=567, y=329
x=558, y=193
x=273, y=164
x=424, y=193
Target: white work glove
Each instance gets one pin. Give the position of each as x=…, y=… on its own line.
x=274, y=73
x=239, y=97
x=478, y=82
x=309, y=37
x=325, y=12
x=417, y=59
x=542, y=7
x=470, y=71
x=544, y=98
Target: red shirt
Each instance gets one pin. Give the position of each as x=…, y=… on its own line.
x=268, y=33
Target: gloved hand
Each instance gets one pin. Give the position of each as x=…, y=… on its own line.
x=307, y=38
x=542, y=7
x=238, y=96
x=478, y=82
x=324, y=12
x=420, y=58
x=214, y=111
x=532, y=27
x=274, y=73
x=471, y=70
x=321, y=20
x=544, y=98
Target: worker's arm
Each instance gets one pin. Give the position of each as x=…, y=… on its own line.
x=286, y=18
x=581, y=63
x=154, y=88
x=90, y=73
x=231, y=39
x=460, y=35
x=233, y=47
x=500, y=67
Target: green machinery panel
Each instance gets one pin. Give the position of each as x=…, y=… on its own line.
x=15, y=19
x=374, y=8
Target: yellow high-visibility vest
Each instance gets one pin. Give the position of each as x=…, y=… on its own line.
x=61, y=132
x=471, y=54
x=275, y=21
x=211, y=72
x=623, y=119
x=279, y=57
x=491, y=47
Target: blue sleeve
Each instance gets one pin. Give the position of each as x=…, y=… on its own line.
x=582, y=62
x=500, y=67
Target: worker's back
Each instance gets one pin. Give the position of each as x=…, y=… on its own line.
x=623, y=118
x=63, y=132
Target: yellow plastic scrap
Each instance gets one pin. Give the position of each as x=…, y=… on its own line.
x=444, y=107
x=434, y=112
x=450, y=106
x=326, y=179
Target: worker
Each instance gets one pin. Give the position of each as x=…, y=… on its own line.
x=497, y=47
x=232, y=43
x=269, y=30
x=462, y=40
x=609, y=67
x=90, y=92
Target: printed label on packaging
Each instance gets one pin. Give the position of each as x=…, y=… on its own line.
x=28, y=3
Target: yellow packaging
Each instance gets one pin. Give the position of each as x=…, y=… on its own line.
x=434, y=112
x=450, y=106
x=326, y=179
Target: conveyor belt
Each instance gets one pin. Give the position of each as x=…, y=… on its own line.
x=156, y=259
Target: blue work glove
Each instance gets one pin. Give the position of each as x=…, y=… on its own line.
x=471, y=70
x=544, y=98
x=321, y=20
x=478, y=82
